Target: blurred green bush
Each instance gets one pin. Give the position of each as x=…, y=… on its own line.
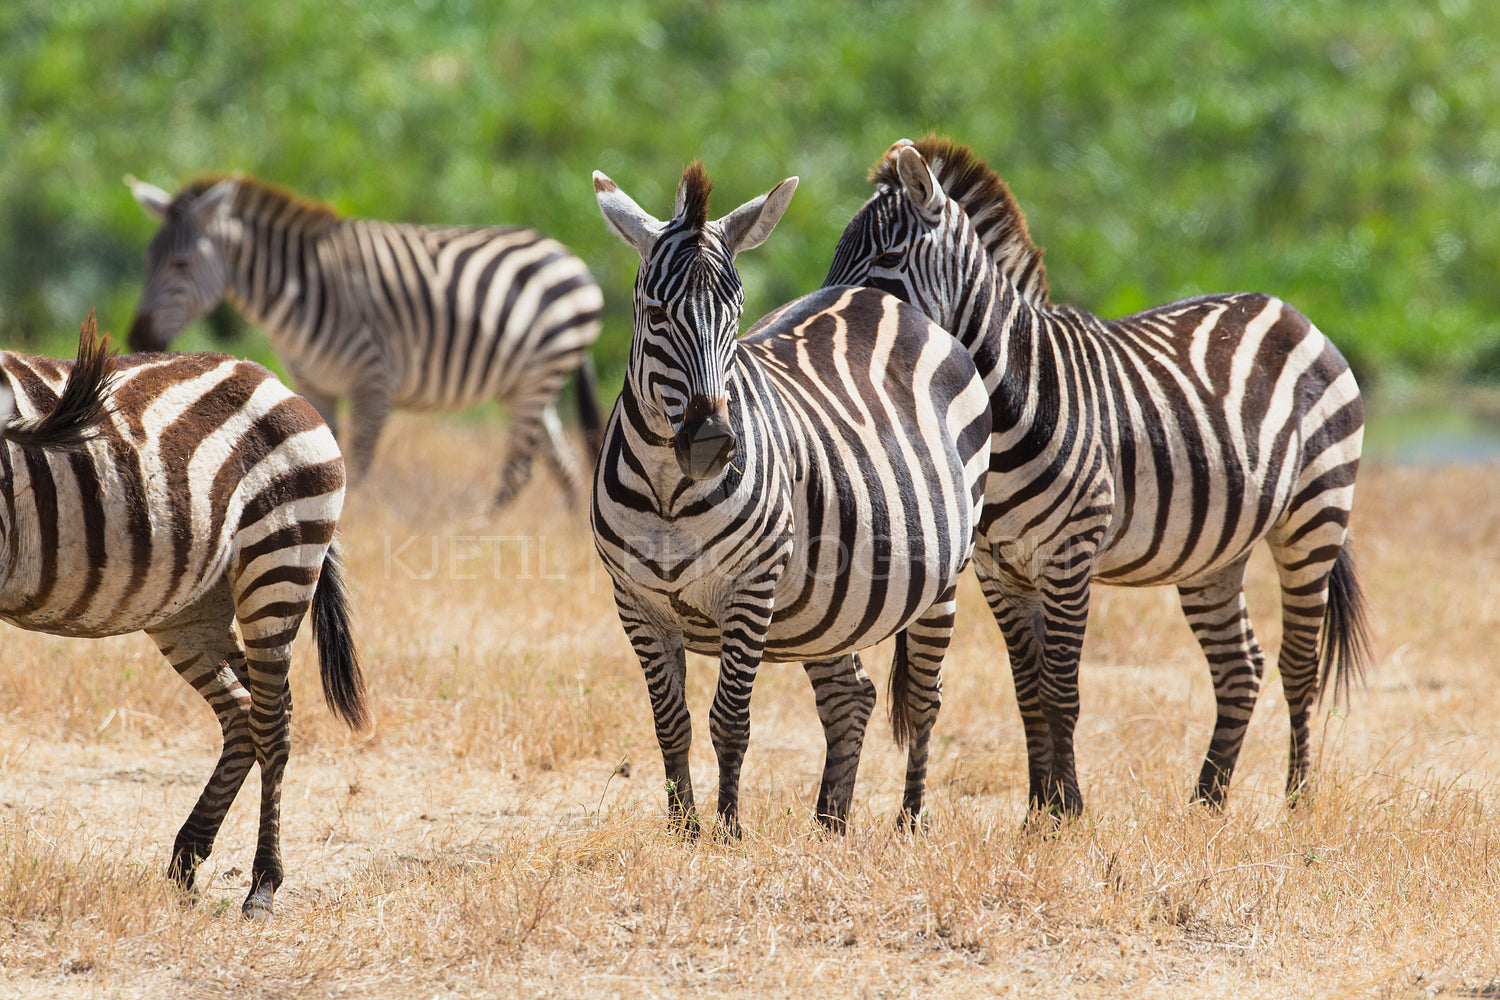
x=1343, y=155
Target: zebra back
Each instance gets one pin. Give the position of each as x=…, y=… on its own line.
x=194, y=462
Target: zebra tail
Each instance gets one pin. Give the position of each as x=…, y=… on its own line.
x=900, y=693
x=1344, y=641
x=588, y=407
x=83, y=405
x=343, y=680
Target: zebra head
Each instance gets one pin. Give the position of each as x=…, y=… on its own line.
x=688, y=301
x=900, y=241
x=940, y=223
x=187, y=270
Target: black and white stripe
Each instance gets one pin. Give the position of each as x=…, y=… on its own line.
x=383, y=314
x=194, y=498
x=798, y=494
x=1154, y=449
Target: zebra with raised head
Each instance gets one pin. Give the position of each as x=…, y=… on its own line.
x=383, y=314
x=797, y=494
x=194, y=498
x=1154, y=449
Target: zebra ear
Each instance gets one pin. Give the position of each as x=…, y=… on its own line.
x=217, y=199
x=748, y=226
x=921, y=184
x=152, y=198
x=624, y=217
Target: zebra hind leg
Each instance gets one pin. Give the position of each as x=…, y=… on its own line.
x=534, y=423
x=916, y=690
x=845, y=697
x=268, y=645
x=1324, y=636
x=202, y=647
x=559, y=455
x=528, y=424
x=1216, y=612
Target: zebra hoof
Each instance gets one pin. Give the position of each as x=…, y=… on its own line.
x=834, y=824
x=687, y=826
x=911, y=823
x=1213, y=799
x=257, y=908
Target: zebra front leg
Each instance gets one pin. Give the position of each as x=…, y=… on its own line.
x=916, y=689
x=1017, y=610
x=742, y=639
x=845, y=697
x=1216, y=612
x=664, y=662
x=1065, y=603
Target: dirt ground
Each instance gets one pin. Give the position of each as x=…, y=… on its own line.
x=499, y=832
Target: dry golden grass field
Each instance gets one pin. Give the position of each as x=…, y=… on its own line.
x=500, y=831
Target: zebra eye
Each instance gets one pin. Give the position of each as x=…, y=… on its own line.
x=888, y=258
x=656, y=315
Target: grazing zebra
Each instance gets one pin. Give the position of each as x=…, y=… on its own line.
x=385, y=314
x=179, y=495
x=1154, y=449
x=797, y=494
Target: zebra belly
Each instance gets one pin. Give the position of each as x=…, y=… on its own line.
x=1207, y=521
x=848, y=591
x=810, y=634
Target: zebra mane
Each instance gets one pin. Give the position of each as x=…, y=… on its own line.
x=83, y=405
x=262, y=198
x=692, y=196
x=988, y=203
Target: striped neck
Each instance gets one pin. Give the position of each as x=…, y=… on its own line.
x=651, y=424
x=271, y=246
x=1001, y=328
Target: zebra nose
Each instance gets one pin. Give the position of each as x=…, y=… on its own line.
x=143, y=335
x=705, y=443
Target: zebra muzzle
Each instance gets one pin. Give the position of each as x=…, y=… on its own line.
x=143, y=335
x=705, y=443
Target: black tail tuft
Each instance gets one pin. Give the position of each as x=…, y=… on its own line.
x=588, y=408
x=343, y=681
x=900, y=693
x=1344, y=643
x=84, y=403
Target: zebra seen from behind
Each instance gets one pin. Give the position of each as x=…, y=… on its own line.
x=1155, y=449
x=383, y=314
x=797, y=494
x=193, y=498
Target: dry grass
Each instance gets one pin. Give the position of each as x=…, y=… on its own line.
x=500, y=832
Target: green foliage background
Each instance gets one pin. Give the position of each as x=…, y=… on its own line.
x=1344, y=155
